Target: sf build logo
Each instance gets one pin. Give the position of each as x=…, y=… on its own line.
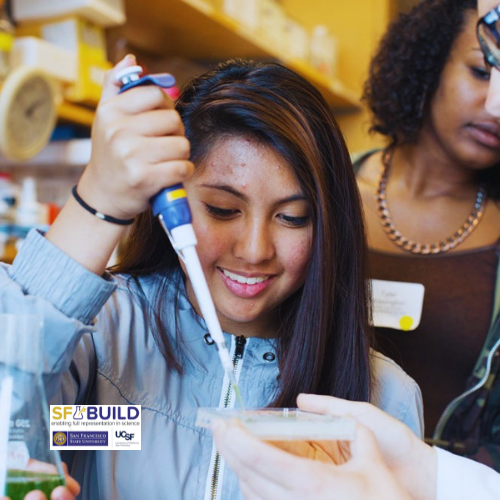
x=95, y=427
x=79, y=413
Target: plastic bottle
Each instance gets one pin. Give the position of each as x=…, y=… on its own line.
x=29, y=213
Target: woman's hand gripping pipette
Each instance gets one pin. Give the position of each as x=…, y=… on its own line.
x=171, y=207
x=138, y=140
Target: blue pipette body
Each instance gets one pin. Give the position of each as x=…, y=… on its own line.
x=171, y=207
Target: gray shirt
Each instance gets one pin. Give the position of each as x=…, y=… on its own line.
x=100, y=350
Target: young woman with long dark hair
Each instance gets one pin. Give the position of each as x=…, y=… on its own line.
x=281, y=242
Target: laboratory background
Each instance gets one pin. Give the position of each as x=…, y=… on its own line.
x=295, y=277
x=45, y=124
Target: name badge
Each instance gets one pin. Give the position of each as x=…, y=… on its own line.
x=397, y=305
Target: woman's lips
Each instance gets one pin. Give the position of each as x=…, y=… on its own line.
x=486, y=134
x=251, y=286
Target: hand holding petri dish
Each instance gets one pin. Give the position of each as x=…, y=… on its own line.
x=309, y=435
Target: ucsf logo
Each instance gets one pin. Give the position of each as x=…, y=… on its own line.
x=123, y=434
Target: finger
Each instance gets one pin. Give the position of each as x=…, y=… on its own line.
x=143, y=98
x=263, y=468
x=154, y=150
x=62, y=493
x=157, y=176
x=110, y=86
x=365, y=413
x=169, y=173
x=157, y=123
x=72, y=485
x=35, y=495
x=327, y=404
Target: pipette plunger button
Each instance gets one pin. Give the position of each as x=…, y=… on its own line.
x=129, y=74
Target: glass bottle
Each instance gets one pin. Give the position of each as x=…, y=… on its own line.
x=26, y=461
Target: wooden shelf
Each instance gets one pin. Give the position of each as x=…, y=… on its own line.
x=195, y=30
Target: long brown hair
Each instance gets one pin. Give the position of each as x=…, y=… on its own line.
x=324, y=336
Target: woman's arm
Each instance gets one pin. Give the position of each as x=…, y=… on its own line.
x=138, y=147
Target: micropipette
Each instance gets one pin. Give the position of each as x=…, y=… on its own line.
x=171, y=207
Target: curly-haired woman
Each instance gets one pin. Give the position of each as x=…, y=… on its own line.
x=431, y=200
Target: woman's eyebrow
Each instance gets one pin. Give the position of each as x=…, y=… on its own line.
x=229, y=189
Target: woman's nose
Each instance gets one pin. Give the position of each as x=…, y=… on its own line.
x=492, y=104
x=255, y=243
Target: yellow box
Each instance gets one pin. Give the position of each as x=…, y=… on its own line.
x=87, y=41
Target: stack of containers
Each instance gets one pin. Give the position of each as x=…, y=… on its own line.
x=268, y=21
x=66, y=39
x=286, y=37
x=272, y=23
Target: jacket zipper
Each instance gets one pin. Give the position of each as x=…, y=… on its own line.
x=238, y=355
x=454, y=403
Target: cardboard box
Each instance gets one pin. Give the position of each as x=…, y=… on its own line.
x=87, y=42
x=57, y=62
x=101, y=12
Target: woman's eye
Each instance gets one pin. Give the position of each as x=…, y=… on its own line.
x=480, y=73
x=294, y=221
x=220, y=213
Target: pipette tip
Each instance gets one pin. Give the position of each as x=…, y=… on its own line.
x=239, y=399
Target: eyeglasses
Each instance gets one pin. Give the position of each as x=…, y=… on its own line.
x=488, y=35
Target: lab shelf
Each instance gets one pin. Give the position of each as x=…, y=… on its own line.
x=194, y=29
x=72, y=153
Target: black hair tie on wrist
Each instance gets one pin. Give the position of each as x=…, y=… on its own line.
x=93, y=211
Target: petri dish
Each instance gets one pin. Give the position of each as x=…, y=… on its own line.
x=282, y=424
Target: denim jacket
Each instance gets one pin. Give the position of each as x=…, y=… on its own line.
x=99, y=350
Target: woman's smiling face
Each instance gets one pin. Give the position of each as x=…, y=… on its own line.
x=254, y=233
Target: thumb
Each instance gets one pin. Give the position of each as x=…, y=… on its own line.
x=110, y=86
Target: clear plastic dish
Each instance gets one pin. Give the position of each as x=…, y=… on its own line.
x=283, y=424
